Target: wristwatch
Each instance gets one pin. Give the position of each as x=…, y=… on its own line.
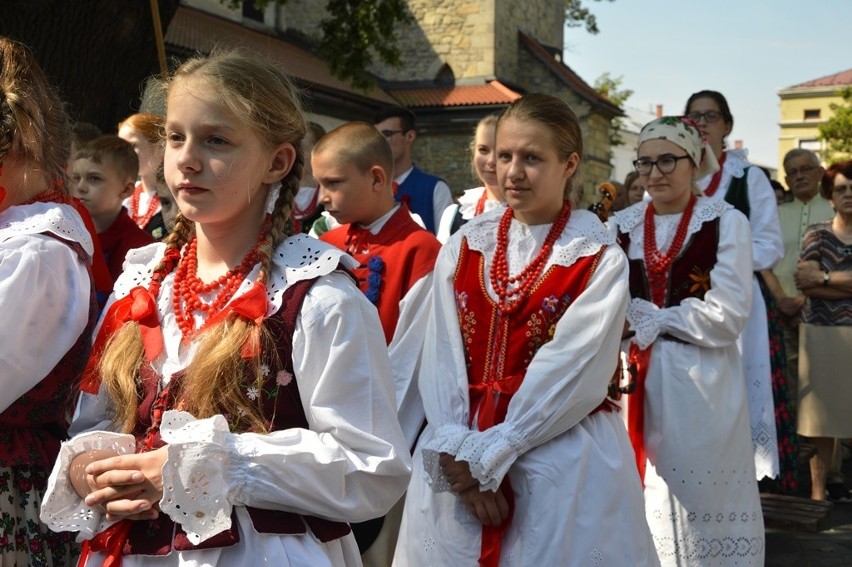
x=825, y=276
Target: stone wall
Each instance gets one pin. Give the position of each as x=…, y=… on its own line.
x=596, y=167
x=541, y=19
x=447, y=156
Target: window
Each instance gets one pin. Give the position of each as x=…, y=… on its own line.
x=812, y=114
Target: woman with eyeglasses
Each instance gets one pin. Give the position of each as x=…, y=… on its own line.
x=824, y=275
x=747, y=188
x=687, y=414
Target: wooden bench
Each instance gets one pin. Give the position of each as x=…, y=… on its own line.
x=794, y=513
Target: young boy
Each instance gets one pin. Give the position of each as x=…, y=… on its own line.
x=352, y=165
x=104, y=174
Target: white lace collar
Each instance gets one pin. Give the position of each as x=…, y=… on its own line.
x=58, y=219
x=583, y=236
x=631, y=220
x=736, y=160
x=471, y=196
x=297, y=258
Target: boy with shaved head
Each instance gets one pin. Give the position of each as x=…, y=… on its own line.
x=353, y=165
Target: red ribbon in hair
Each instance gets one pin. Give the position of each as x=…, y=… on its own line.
x=140, y=306
x=636, y=405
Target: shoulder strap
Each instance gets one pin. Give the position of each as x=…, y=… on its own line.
x=737, y=193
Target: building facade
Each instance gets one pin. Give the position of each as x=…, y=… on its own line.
x=804, y=107
x=461, y=60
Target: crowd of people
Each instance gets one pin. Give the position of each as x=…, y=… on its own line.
x=244, y=339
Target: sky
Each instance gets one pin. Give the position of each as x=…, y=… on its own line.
x=665, y=50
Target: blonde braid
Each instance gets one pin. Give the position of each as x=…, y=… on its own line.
x=122, y=358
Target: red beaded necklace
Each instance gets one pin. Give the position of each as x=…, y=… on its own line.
x=717, y=177
x=511, y=290
x=153, y=203
x=480, y=203
x=657, y=264
x=187, y=287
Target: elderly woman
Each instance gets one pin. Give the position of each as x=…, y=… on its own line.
x=690, y=288
x=824, y=275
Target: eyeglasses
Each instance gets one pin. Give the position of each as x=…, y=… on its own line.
x=665, y=164
x=841, y=189
x=709, y=116
x=804, y=170
x=390, y=133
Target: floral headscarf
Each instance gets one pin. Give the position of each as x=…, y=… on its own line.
x=683, y=132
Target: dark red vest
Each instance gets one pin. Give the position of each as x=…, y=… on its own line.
x=690, y=276
x=281, y=403
x=33, y=427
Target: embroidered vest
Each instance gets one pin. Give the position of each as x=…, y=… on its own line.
x=418, y=192
x=690, y=275
x=498, y=349
x=33, y=427
x=281, y=402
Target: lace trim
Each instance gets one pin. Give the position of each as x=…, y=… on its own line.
x=298, y=258
x=63, y=510
x=736, y=160
x=490, y=454
x=643, y=317
x=584, y=236
x=193, y=476
x=447, y=439
x=37, y=218
x=631, y=220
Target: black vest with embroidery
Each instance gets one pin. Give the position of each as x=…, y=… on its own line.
x=281, y=405
x=690, y=271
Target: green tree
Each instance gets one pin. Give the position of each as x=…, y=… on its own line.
x=610, y=88
x=836, y=132
x=354, y=33
x=576, y=15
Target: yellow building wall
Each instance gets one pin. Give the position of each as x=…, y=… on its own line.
x=796, y=130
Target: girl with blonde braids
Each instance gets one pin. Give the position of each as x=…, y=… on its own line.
x=238, y=405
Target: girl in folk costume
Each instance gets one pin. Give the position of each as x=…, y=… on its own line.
x=748, y=189
x=476, y=201
x=523, y=460
x=144, y=132
x=224, y=421
x=46, y=299
x=688, y=416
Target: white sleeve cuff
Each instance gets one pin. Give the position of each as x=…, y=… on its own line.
x=489, y=454
x=62, y=509
x=195, y=473
x=644, y=319
x=447, y=439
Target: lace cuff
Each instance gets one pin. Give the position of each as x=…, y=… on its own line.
x=194, y=487
x=447, y=439
x=644, y=319
x=62, y=509
x=489, y=454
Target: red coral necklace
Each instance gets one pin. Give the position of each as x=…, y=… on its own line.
x=187, y=287
x=717, y=177
x=511, y=290
x=480, y=203
x=658, y=264
x=153, y=203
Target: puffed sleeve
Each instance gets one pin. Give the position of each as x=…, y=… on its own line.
x=352, y=464
x=719, y=318
x=44, y=298
x=767, y=241
x=566, y=380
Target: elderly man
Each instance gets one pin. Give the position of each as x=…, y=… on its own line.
x=803, y=174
